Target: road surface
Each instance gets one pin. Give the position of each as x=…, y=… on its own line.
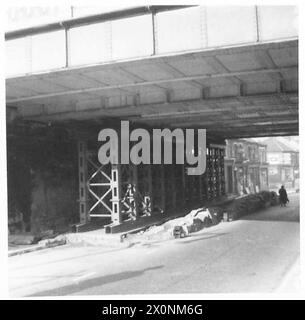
x=254, y=254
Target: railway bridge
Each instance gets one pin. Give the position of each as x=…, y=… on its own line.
x=230, y=70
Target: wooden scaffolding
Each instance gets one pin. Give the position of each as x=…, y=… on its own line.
x=124, y=192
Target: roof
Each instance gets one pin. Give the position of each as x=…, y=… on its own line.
x=279, y=144
x=289, y=143
x=256, y=142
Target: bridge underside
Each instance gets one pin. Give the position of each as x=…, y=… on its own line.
x=245, y=91
x=236, y=92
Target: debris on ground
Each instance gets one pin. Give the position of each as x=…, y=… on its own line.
x=192, y=222
x=28, y=238
x=53, y=242
x=21, y=239
x=181, y=227
x=250, y=203
x=203, y=217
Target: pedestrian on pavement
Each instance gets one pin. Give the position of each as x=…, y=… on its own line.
x=283, y=196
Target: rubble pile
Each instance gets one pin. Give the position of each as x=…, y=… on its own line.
x=203, y=217
x=181, y=227
x=194, y=221
x=251, y=203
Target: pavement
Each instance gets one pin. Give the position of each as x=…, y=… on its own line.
x=258, y=253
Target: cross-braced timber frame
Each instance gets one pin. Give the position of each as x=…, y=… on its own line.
x=128, y=192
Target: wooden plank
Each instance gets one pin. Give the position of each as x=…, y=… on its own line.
x=83, y=176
